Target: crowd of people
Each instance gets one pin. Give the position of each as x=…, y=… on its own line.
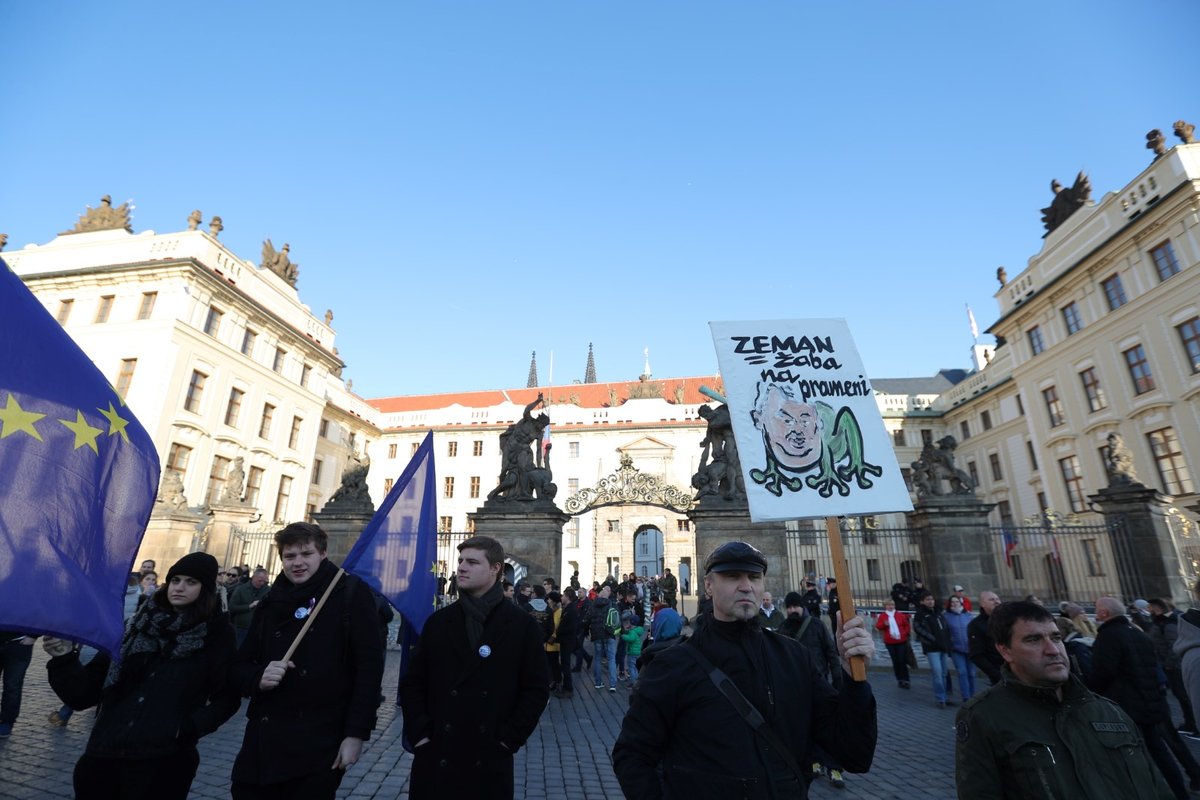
x=1074, y=706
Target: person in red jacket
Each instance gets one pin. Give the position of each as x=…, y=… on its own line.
x=895, y=627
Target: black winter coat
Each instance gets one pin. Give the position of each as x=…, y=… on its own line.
x=933, y=630
x=161, y=707
x=818, y=641
x=594, y=619
x=678, y=719
x=982, y=649
x=1125, y=671
x=296, y=728
x=477, y=711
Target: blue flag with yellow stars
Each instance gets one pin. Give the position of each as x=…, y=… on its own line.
x=80, y=477
x=396, y=554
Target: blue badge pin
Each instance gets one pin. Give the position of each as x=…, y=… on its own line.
x=301, y=612
x=485, y=651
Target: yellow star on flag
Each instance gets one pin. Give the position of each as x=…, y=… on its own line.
x=433, y=568
x=116, y=423
x=13, y=418
x=85, y=434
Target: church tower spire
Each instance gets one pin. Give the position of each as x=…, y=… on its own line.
x=589, y=375
x=531, y=382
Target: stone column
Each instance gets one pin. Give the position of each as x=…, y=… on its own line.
x=1148, y=559
x=343, y=520
x=171, y=534
x=717, y=521
x=956, y=544
x=225, y=517
x=531, y=533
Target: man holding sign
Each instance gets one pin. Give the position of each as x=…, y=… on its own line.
x=734, y=711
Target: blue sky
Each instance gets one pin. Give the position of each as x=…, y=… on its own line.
x=464, y=183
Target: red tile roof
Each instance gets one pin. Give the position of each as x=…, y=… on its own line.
x=590, y=395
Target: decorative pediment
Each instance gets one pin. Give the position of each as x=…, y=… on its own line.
x=103, y=218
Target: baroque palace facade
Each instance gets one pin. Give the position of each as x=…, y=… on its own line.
x=221, y=360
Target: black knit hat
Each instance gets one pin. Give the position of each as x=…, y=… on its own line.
x=793, y=600
x=200, y=566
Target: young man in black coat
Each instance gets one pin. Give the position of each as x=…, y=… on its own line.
x=476, y=687
x=308, y=716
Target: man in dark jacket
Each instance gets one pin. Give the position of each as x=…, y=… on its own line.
x=566, y=636
x=477, y=685
x=600, y=625
x=243, y=599
x=683, y=737
x=1125, y=671
x=1040, y=733
x=933, y=631
x=812, y=599
x=309, y=715
x=980, y=647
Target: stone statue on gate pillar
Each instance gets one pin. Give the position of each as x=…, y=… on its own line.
x=522, y=469
x=1118, y=463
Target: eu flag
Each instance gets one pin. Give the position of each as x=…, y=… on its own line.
x=396, y=554
x=80, y=477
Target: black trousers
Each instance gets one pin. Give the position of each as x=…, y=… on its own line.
x=564, y=656
x=14, y=662
x=167, y=777
x=1156, y=743
x=1175, y=684
x=899, y=655
x=321, y=785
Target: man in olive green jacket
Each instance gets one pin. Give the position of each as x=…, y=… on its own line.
x=1040, y=733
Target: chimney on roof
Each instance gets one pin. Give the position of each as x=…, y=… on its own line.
x=589, y=374
x=531, y=382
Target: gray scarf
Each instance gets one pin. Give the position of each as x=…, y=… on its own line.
x=154, y=631
x=476, y=610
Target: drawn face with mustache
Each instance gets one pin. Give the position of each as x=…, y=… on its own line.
x=792, y=430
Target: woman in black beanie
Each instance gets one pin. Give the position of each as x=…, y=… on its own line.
x=166, y=688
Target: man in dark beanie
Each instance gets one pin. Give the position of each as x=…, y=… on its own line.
x=735, y=710
x=309, y=715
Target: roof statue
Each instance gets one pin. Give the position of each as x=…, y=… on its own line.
x=1002, y=276
x=194, y=220
x=329, y=316
x=531, y=381
x=1066, y=201
x=279, y=263
x=3, y=240
x=104, y=218
x=215, y=227
x=589, y=374
x=1184, y=131
x=1118, y=463
x=1157, y=142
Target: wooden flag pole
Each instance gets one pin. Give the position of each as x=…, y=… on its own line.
x=841, y=572
x=309, y=620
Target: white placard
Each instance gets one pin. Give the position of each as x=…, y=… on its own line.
x=810, y=438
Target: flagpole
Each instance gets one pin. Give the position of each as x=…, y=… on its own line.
x=841, y=572
x=309, y=620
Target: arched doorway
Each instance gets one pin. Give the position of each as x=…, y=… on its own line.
x=648, y=551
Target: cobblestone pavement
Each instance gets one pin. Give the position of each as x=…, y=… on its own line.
x=914, y=758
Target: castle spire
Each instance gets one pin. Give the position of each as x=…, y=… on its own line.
x=531, y=382
x=646, y=373
x=589, y=375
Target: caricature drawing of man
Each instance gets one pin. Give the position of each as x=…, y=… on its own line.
x=800, y=437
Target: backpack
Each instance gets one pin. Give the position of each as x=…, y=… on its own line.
x=612, y=621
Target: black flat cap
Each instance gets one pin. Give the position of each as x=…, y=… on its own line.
x=736, y=557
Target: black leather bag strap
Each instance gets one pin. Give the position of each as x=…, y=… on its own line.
x=745, y=709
